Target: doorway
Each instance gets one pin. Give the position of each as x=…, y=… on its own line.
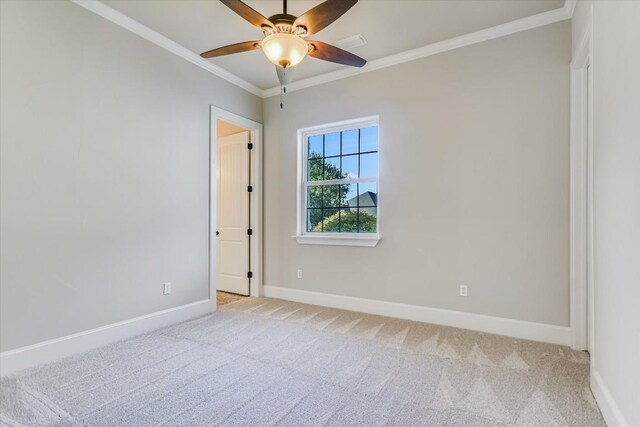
x=582, y=245
x=235, y=223
x=590, y=210
x=233, y=230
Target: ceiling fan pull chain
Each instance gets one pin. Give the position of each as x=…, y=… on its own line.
x=281, y=91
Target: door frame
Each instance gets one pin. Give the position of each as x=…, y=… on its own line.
x=255, y=214
x=581, y=241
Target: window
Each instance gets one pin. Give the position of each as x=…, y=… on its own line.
x=338, y=188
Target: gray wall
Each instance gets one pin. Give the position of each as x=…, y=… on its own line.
x=474, y=148
x=616, y=141
x=104, y=173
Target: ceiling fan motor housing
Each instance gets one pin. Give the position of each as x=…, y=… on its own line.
x=283, y=23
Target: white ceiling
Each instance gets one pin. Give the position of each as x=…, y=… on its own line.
x=390, y=27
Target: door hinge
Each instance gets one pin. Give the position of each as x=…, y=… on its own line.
x=250, y=188
x=250, y=146
x=249, y=275
x=249, y=232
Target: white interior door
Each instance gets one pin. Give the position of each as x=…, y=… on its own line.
x=233, y=214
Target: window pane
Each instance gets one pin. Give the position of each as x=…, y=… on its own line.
x=331, y=220
x=331, y=196
x=367, y=220
x=349, y=220
x=350, y=166
x=314, y=220
x=342, y=208
x=348, y=193
x=368, y=165
x=332, y=168
x=315, y=146
x=332, y=144
x=315, y=170
x=350, y=142
x=314, y=196
x=367, y=194
x=369, y=139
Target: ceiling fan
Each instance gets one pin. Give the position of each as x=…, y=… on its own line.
x=284, y=42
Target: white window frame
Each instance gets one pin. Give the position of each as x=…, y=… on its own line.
x=340, y=239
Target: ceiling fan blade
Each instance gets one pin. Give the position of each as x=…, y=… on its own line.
x=324, y=14
x=232, y=48
x=330, y=53
x=247, y=13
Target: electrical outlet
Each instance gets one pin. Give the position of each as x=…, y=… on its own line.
x=463, y=290
x=166, y=289
x=299, y=274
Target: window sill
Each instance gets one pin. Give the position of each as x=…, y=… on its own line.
x=333, y=240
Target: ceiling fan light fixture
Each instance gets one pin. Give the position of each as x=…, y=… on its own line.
x=285, y=50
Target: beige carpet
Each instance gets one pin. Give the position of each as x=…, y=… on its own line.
x=263, y=362
x=224, y=298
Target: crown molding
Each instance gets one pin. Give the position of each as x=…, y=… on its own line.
x=561, y=14
x=154, y=37
x=523, y=24
x=569, y=7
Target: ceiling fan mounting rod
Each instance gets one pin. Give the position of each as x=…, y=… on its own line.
x=284, y=6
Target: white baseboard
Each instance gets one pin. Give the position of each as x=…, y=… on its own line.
x=50, y=350
x=610, y=411
x=476, y=322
